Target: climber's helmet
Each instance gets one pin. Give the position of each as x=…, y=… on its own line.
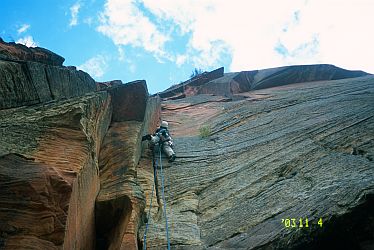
x=164, y=124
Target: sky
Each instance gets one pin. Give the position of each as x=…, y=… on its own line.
x=163, y=41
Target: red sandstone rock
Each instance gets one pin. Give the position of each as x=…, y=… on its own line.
x=129, y=101
x=230, y=84
x=191, y=86
x=120, y=203
x=106, y=85
x=49, y=173
x=19, y=52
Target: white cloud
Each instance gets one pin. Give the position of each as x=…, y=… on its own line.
x=23, y=28
x=180, y=60
x=95, y=66
x=74, y=10
x=27, y=41
x=125, y=24
x=246, y=30
x=253, y=34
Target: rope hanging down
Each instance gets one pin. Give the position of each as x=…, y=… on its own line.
x=163, y=200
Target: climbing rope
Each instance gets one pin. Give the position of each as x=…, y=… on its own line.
x=163, y=200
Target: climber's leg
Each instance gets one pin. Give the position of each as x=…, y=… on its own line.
x=169, y=152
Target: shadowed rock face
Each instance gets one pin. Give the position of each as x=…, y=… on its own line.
x=191, y=86
x=120, y=203
x=50, y=154
x=25, y=79
x=299, y=151
x=124, y=99
x=230, y=84
x=75, y=175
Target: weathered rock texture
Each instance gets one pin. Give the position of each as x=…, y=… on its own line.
x=49, y=173
x=30, y=76
x=51, y=150
x=120, y=203
x=75, y=175
x=129, y=102
x=106, y=85
x=19, y=52
x=299, y=151
x=230, y=84
x=191, y=86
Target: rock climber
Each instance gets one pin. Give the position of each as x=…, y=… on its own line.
x=163, y=139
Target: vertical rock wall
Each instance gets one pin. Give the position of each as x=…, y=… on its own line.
x=120, y=203
x=34, y=76
x=49, y=172
x=51, y=130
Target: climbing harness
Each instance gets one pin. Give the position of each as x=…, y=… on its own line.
x=155, y=165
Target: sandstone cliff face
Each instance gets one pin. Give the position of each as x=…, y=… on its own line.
x=120, y=203
x=299, y=151
x=63, y=148
x=30, y=76
x=74, y=173
x=49, y=172
x=229, y=84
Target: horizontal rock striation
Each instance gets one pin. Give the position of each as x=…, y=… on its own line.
x=49, y=172
x=302, y=151
x=119, y=189
x=120, y=203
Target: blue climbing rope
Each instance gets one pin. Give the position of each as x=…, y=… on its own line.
x=163, y=200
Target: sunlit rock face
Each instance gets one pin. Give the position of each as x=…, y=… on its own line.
x=52, y=127
x=284, y=159
x=121, y=201
x=278, y=155
x=49, y=172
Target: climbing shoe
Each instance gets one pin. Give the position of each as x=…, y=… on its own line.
x=172, y=158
